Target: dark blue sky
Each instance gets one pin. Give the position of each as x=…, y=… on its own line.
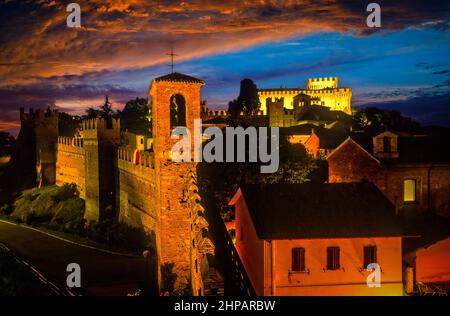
x=123, y=45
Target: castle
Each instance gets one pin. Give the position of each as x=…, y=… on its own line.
x=284, y=106
x=321, y=103
x=141, y=188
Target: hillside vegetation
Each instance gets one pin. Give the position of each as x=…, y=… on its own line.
x=58, y=208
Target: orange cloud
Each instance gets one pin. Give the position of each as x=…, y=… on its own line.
x=119, y=35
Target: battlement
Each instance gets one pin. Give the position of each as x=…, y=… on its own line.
x=322, y=83
x=39, y=118
x=216, y=113
x=127, y=157
x=70, y=141
x=100, y=123
x=72, y=145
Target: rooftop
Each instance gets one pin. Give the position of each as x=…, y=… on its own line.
x=308, y=210
x=178, y=77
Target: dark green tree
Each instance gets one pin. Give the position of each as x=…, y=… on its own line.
x=68, y=124
x=7, y=143
x=247, y=101
x=104, y=111
x=375, y=120
x=135, y=116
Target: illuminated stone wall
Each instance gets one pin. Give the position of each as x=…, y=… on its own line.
x=70, y=163
x=161, y=196
x=100, y=140
x=326, y=89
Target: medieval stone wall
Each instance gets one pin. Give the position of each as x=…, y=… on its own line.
x=136, y=189
x=326, y=89
x=70, y=163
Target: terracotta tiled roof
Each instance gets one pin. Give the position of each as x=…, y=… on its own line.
x=308, y=210
x=177, y=77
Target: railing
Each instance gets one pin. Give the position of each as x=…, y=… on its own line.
x=238, y=274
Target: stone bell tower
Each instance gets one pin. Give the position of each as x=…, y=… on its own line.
x=175, y=100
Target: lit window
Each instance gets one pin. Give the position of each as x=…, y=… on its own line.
x=298, y=259
x=370, y=255
x=409, y=190
x=333, y=260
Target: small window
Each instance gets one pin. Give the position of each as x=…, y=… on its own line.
x=333, y=258
x=409, y=190
x=370, y=255
x=196, y=266
x=142, y=141
x=298, y=260
x=193, y=243
x=386, y=144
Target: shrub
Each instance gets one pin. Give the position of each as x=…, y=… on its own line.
x=121, y=235
x=59, y=208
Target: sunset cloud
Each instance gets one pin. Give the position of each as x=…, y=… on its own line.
x=135, y=34
x=43, y=62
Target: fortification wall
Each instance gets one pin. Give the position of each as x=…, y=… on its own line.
x=322, y=83
x=137, y=193
x=70, y=163
x=336, y=99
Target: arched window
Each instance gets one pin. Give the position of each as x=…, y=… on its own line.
x=177, y=111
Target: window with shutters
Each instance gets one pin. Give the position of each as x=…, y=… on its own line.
x=333, y=258
x=370, y=255
x=298, y=260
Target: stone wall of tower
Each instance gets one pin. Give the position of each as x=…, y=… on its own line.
x=70, y=163
x=100, y=140
x=182, y=242
x=175, y=224
x=43, y=128
x=278, y=115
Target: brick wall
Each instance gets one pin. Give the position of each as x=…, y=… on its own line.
x=70, y=160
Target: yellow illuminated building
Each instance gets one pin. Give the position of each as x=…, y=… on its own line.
x=323, y=91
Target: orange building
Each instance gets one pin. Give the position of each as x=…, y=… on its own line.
x=413, y=171
x=317, y=239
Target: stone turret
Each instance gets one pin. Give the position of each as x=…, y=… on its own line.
x=44, y=124
x=100, y=140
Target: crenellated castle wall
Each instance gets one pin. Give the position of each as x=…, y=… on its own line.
x=136, y=189
x=70, y=163
x=326, y=89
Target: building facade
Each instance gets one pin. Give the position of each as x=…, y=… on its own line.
x=412, y=171
x=286, y=250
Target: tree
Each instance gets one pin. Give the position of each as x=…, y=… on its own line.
x=68, y=124
x=104, y=111
x=135, y=116
x=247, y=101
x=375, y=120
x=7, y=143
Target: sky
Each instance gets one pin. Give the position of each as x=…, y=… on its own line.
x=122, y=45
